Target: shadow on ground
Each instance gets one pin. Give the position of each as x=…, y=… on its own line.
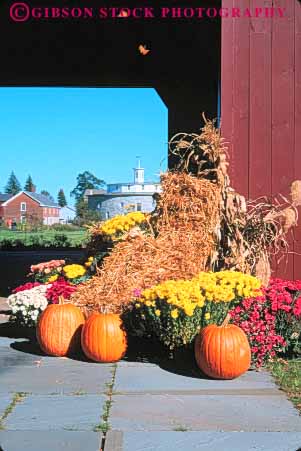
x=182, y=362
x=11, y=330
x=31, y=346
x=28, y=347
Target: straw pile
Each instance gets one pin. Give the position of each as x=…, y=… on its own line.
x=200, y=223
x=179, y=247
x=186, y=204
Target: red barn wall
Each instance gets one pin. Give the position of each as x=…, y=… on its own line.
x=261, y=106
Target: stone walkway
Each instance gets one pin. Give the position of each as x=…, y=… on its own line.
x=59, y=404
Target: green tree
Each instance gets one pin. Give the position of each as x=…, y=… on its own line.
x=84, y=214
x=47, y=194
x=29, y=186
x=61, y=198
x=13, y=185
x=86, y=180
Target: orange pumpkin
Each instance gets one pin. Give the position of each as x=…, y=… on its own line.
x=59, y=328
x=222, y=352
x=103, y=339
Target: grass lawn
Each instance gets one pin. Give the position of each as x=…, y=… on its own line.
x=75, y=238
x=287, y=374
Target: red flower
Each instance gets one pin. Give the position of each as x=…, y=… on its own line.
x=60, y=288
x=267, y=319
x=26, y=286
x=297, y=308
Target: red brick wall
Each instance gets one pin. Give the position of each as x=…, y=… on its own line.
x=50, y=212
x=13, y=208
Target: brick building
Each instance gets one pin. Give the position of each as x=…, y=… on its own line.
x=26, y=205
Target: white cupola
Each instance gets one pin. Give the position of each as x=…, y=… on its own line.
x=138, y=173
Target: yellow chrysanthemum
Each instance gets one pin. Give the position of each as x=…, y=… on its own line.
x=122, y=223
x=174, y=313
x=187, y=295
x=157, y=312
x=73, y=271
x=53, y=278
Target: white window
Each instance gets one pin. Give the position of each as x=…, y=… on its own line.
x=23, y=206
x=139, y=207
x=129, y=187
x=142, y=187
x=107, y=215
x=98, y=206
x=121, y=204
x=23, y=219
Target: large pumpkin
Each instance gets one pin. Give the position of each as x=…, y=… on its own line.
x=59, y=328
x=103, y=339
x=222, y=352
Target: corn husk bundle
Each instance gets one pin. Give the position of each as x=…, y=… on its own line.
x=204, y=154
x=178, y=247
x=249, y=233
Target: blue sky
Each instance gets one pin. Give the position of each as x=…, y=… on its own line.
x=53, y=134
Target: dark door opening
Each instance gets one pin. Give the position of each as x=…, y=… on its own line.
x=183, y=64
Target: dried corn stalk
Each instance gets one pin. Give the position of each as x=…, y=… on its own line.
x=296, y=193
x=249, y=233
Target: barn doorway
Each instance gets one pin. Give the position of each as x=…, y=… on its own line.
x=183, y=64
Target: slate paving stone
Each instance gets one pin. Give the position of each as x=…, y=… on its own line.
x=62, y=376
x=147, y=412
x=79, y=361
x=141, y=378
x=71, y=413
x=203, y=441
x=152, y=403
x=48, y=441
x=6, y=341
x=10, y=357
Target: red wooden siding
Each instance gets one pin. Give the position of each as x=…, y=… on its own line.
x=260, y=117
x=235, y=93
x=297, y=154
x=261, y=105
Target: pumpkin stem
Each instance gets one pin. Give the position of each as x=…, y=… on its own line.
x=226, y=320
x=61, y=300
